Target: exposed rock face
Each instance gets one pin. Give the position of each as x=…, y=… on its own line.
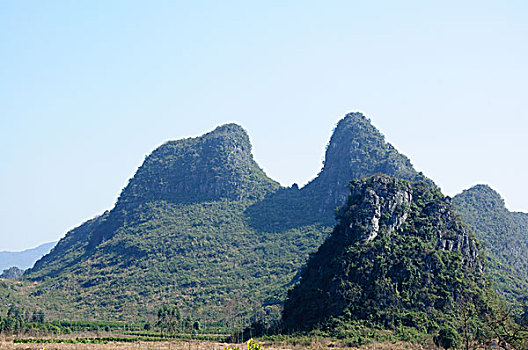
x=398, y=245
x=452, y=235
x=386, y=202
x=378, y=201
x=356, y=149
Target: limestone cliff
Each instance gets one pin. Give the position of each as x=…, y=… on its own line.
x=399, y=254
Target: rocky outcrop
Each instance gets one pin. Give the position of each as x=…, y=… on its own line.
x=383, y=204
x=377, y=202
x=356, y=149
x=398, y=245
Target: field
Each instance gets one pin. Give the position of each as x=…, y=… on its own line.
x=8, y=343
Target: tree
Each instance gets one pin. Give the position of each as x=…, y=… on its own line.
x=38, y=317
x=507, y=327
x=448, y=338
x=168, y=318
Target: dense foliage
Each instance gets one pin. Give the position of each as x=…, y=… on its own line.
x=399, y=257
x=505, y=238
x=202, y=227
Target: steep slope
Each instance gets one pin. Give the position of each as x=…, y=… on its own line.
x=356, y=149
x=26, y=258
x=200, y=225
x=504, y=235
x=178, y=234
x=399, y=256
x=216, y=166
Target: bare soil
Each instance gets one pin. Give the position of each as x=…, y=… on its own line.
x=8, y=344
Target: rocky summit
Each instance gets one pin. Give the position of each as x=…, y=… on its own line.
x=356, y=149
x=201, y=226
x=399, y=255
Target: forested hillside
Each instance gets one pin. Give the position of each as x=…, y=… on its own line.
x=201, y=226
x=504, y=235
x=399, y=256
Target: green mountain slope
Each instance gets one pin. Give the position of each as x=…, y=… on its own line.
x=504, y=235
x=178, y=234
x=399, y=256
x=200, y=225
x=356, y=149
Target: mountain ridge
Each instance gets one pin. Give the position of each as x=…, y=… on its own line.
x=198, y=224
x=504, y=234
x=25, y=258
x=201, y=226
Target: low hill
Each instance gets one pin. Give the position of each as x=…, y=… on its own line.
x=504, y=235
x=24, y=259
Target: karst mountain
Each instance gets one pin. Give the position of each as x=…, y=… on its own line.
x=201, y=226
x=399, y=256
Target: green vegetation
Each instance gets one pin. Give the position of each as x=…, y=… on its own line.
x=398, y=260
x=201, y=240
x=356, y=150
x=504, y=235
x=201, y=227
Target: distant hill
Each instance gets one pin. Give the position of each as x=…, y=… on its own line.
x=200, y=225
x=399, y=256
x=12, y=273
x=24, y=259
x=504, y=235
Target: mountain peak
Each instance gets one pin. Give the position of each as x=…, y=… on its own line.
x=487, y=198
x=218, y=164
x=398, y=246
x=504, y=235
x=356, y=150
x=233, y=128
x=353, y=117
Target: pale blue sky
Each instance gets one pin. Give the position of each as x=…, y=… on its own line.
x=89, y=88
